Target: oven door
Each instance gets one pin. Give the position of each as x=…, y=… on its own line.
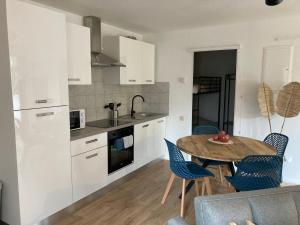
x=74, y=120
x=118, y=155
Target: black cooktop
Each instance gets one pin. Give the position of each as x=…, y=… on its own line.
x=107, y=123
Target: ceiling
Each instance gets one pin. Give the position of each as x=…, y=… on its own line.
x=147, y=16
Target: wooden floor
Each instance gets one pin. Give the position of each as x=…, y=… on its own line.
x=137, y=201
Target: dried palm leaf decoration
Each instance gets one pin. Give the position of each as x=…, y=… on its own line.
x=288, y=101
x=266, y=102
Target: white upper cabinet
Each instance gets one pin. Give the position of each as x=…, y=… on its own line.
x=138, y=56
x=38, y=56
x=79, y=55
x=148, y=63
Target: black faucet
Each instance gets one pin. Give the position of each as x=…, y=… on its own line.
x=132, y=104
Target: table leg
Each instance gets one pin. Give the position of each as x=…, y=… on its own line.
x=191, y=183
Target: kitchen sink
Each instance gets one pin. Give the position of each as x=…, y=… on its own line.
x=140, y=116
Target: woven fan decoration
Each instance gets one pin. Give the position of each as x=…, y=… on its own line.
x=266, y=102
x=288, y=101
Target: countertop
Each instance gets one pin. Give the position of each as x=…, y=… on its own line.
x=90, y=131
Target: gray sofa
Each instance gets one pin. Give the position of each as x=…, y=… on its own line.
x=278, y=206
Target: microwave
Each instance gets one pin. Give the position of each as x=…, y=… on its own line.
x=77, y=119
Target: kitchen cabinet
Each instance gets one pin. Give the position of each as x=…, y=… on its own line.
x=79, y=55
x=149, y=141
x=159, y=136
x=138, y=56
x=43, y=162
x=89, y=172
x=89, y=143
x=148, y=63
x=38, y=55
x=141, y=143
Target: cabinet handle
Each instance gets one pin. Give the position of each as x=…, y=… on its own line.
x=148, y=81
x=91, y=141
x=74, y=79
x=132, y=80
x=41, y=101
x=91, y=156
x=160, y=121
x=147, y=125
x=45, y=114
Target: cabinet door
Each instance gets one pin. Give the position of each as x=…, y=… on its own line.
x=38, y=56
x=44, y=162
x=130, y=55
x=89, y=172
x=148, y=63
x=140, y=148
x=79, y=55
x=159, y=136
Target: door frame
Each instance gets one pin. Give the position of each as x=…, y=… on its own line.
x=238, y=98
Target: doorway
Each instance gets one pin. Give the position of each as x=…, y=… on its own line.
x=214, y=82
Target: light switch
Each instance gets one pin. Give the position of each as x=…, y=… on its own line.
x=181, y=118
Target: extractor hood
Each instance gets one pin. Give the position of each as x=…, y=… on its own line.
x=98, y=58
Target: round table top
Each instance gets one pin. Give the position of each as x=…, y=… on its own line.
x=199, y=146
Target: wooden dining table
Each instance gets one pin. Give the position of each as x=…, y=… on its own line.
x=199, y=146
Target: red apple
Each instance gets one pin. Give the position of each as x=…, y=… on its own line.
x=226, y=138
x=223, y=133
x=215, y=138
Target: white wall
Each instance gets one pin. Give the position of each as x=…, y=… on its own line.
x=174, y=61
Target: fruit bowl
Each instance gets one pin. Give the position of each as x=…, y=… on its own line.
x=230, y=142
x=222, y=139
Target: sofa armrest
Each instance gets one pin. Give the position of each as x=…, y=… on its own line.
x=177, y=221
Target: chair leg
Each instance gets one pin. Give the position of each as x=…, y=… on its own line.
x=203, y=188
x=182, y=197
x=207, y=185
x=197, y=187
x=169, y=185
x=221, y=174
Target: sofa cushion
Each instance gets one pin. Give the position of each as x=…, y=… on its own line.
x=177, y=221
x=274, y=209
x=223, y=211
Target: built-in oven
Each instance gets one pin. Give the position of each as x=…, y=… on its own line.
x=120, y=148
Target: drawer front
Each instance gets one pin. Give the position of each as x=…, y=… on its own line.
x=89, y=143
x=89, y=172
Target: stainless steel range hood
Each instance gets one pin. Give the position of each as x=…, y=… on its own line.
x=98, y=58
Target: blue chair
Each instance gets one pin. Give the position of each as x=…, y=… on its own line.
x=278, y=141
x=208, y=129
x=258, y=172
x=205, y=129
x=187, y=171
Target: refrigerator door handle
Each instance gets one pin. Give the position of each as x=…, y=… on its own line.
x=45, y=114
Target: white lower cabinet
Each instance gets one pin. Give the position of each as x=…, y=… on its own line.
x=141, y=143
x=89, y=172
x=90, y=166
x=159, y=136
x=149, y=141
